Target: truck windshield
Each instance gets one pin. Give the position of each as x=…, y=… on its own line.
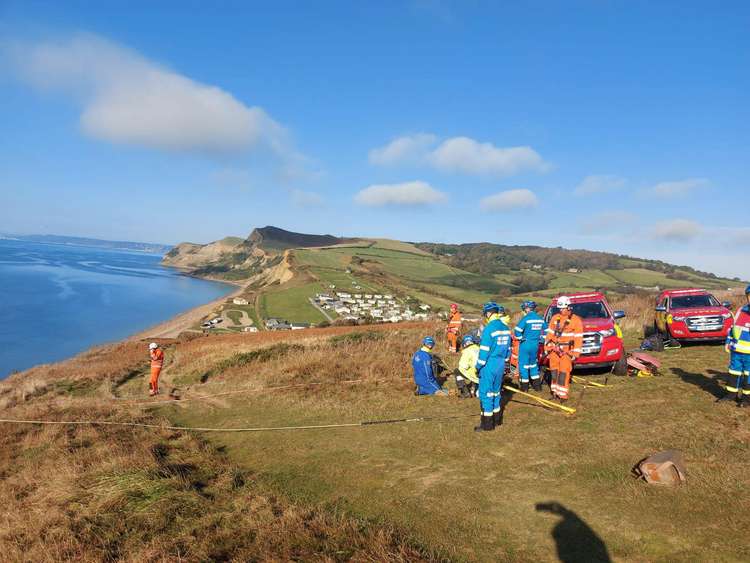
x=692, y=301
x=593, y=310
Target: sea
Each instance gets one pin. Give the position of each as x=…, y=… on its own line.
x=57, y=300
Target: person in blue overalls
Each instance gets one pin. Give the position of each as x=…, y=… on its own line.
x=494, y=351
x=530, y=332
x=424, y=375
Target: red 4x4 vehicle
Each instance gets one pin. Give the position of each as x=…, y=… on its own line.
x=692, y=314
x=602, y=338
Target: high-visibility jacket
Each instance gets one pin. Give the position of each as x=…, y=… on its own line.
x=424, y=377
x=157, y=358
x=455, y=322
x=468, y=361
x=494, y=349
x=565, y=332
x=738, y=338
x=531, y=328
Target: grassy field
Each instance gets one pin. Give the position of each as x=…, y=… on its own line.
x=480, y=497
x=291, y=303
x=544, y=487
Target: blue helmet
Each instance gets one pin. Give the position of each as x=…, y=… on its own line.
x=528, y=304
x=747, y=290
x=467, y=340
x=490, y=307
x=428, y=341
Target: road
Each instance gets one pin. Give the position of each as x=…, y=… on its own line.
x=323, y=311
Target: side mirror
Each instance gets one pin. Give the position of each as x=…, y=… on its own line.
x=661, y=309
x=726, y=304
x=618, y=314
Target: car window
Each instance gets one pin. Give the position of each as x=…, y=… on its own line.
x=693, y=301
x=593, y=310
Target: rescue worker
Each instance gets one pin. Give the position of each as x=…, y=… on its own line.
x=494, y=351
x=563, y=344
x=455, y=322
x=424, y=376
x=157, y=362
x=466, y=372
x=529, y=333
x=738, y=346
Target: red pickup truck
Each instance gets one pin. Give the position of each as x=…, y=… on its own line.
x=602, y=338
x=692, y=315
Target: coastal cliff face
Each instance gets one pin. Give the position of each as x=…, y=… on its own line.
x=263, y=254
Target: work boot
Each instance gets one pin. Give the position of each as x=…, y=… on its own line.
x=485, y=424
x=497, y=418
x=536, y=384
x=525, y=386
x=728, y=396
x=743, y=402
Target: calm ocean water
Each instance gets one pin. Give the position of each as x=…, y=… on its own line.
x=56, y=300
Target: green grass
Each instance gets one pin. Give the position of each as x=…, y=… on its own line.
x=292, y=304
x=475, y=496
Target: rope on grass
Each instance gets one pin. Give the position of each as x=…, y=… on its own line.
x=250, y=429
x=586, y=382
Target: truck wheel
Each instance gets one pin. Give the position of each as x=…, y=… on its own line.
x=621, y=367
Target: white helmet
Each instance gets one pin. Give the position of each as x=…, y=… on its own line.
x=563, y=302
x=153, y=346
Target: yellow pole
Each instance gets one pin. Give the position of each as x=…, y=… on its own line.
x=585, y=381
x=569, y=410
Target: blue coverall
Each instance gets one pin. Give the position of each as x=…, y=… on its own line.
x=530, y=331
x=424, y=378
x=494, y=351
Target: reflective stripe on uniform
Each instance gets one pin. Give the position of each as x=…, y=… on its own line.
x=485, y=348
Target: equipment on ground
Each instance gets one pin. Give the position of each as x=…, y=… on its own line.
x=641, y=364
x=662, y=468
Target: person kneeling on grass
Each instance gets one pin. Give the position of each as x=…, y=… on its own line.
x=466, y=373
x=424, y=376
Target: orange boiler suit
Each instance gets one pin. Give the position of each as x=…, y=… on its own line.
x=157, y=362
x=563, y=344
x=455, y=323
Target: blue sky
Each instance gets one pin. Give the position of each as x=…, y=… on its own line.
x=610, y=125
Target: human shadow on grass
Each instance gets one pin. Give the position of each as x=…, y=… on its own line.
x=708, y=382
x=575, y=540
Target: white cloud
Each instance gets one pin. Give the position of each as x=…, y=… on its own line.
x=302, y=198
x=458, y=154
x=677, y=230
x=129, y=99
x=407, y=194
x=462, y=154
x=402, y=149
x=677, y=188
x=597, y=184
x=510, y=199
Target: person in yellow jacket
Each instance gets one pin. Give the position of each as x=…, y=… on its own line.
x=467, y=379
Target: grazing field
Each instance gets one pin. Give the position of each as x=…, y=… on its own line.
x=291, y=303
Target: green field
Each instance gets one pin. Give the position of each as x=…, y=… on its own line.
x=489, y=497
x=292, y=304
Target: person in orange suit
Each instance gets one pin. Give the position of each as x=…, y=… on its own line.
x=157, y=362
x=455, y=323
x=563, y=344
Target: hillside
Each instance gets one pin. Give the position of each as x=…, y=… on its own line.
x=284, y=271
x=544, y=487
